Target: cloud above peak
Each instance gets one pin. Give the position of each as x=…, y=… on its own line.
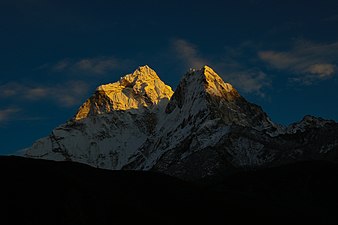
x=308, y=61
x=189, y=53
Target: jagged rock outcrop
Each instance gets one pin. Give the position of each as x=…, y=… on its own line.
x=204, y=129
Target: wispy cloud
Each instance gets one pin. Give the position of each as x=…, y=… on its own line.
x=248, y=80
x=87, y=66
x=189, y=53
x=323, y=70
x=7, y=114
x=95, y=66
x=66, y=95
x=307, y=60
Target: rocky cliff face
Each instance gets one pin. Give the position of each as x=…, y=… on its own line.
x=203, y=129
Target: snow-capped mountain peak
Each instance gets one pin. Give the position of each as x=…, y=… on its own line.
x=205, y=91
x=198, y=86
x=141, y=89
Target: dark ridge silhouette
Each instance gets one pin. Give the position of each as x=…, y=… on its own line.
x=47, y=192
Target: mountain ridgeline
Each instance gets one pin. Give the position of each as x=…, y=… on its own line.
x=203, y=129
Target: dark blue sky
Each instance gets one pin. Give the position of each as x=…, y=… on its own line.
x=281, y=55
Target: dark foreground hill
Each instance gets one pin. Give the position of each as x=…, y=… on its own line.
x=47, y=192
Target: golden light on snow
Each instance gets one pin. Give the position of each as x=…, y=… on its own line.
x=215, y=86
x=143, y=88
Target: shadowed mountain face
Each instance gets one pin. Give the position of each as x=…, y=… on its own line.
x=47, y=192
x=205, y=128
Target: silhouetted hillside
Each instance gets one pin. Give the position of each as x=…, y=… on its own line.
x=47, y=192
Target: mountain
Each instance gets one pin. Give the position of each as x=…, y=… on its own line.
x=47, y=192
x=204, y=129
x=111, y=125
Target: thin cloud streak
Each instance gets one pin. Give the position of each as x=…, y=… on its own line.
x=7, y=114
x=65, y=95
x=87, y=66
x=308, y=61
x=249, y=81
x=323, y=70
x=95, y=66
